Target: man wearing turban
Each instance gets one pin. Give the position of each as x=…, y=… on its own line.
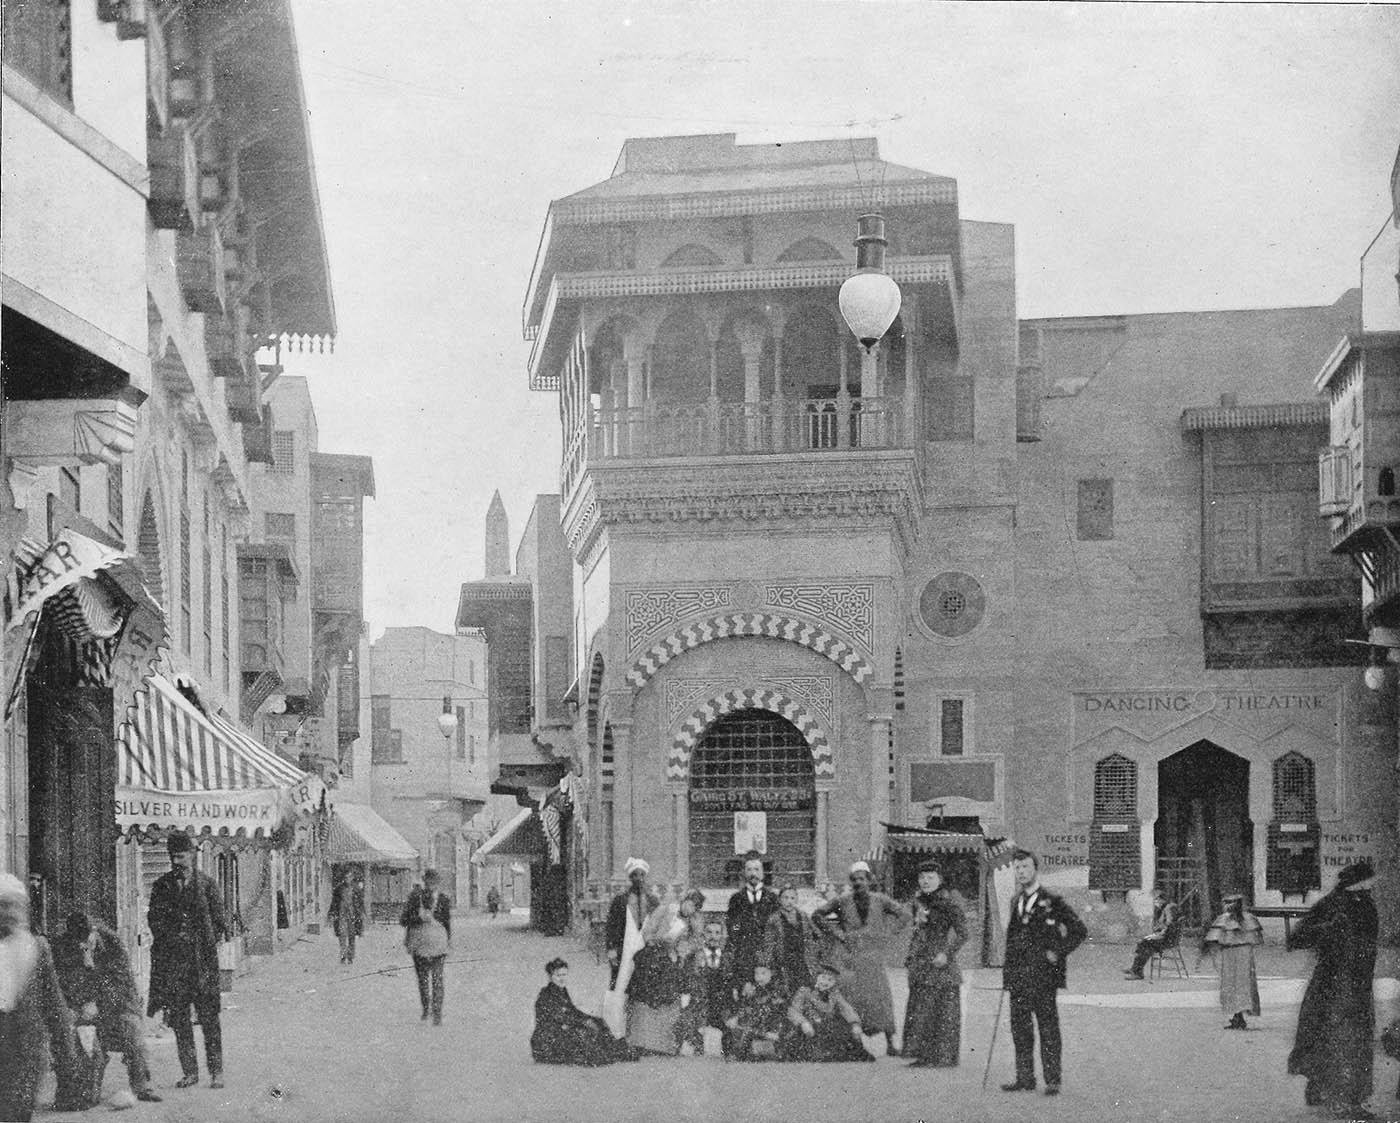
x=1333, y=1047
x=623, y=936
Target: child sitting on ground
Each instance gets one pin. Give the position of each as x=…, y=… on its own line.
x=752, y=1031
x=824, y=1026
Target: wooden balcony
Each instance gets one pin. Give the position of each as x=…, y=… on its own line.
x=721, y=429
x=199, y=263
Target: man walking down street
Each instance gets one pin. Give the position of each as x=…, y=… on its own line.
x=95, y=975
x=1040, y=935
x=427, y=922
x=1334, y=1046
x=749, y=910
x=186, y=920
x=347, y=914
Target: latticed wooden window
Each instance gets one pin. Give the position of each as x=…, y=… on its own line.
x=115, y=518
x=1115, y=843
x=283, y=451
x=38, y=42
x=950, y=727
x=1115, y=788
x=1295, y=789
x=1095, y=515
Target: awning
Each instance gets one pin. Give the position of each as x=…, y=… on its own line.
x=521, y=837
x=91, y=593
x=912, y=840
x=179, y=768
x=359, y=834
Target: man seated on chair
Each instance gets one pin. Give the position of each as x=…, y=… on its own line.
x=1164, y=915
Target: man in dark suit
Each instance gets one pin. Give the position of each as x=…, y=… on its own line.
x=711, y=986
x=1040, y=934
x=749, y=910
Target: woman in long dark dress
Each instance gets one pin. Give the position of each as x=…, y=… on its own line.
x=564, y=1034
x=933, y=1016
x=1334, y=1046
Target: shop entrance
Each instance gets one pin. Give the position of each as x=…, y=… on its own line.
x=752, y=785
x=1204, y=837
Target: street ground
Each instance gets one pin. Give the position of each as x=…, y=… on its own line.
x=307, y=1039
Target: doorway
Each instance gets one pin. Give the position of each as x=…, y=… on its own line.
x=1204, y=837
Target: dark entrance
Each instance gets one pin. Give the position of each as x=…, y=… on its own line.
x=1204, y=838
x=752, y=761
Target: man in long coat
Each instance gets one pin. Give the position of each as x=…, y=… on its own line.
x=1334, y=1045
x=1041, y=933
x=186, y=919
x=622, y=938
x=750, y=908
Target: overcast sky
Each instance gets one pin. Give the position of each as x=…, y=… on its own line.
x=1151, y=157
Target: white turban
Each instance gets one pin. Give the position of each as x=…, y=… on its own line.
x=636, y=864
x=860, y=867
x=12, y=888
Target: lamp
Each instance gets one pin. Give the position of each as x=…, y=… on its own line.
x=869, y=298
x=447, y=720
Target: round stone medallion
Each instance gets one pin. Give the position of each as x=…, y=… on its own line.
x=952, y=604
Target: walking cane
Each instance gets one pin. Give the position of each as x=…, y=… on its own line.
x=996, y=1025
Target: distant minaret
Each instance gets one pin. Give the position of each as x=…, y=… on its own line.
x=497, y=539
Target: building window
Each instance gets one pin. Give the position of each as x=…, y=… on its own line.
x=38, y=41
x=471, y=748
x=280, y=527
x=1115, y=840
x=949, y=414
x=950, y=726
x=1293, y=861
x=229, y=888
x=1095, y=520
x=471, y=671
x=116, y=521
x=284, y=451
x=386, y=744
x=207, y=591
x=461, y=733
x=223, y=608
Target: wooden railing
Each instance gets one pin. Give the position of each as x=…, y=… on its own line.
x=736, y=428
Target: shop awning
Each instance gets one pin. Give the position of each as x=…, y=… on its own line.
x=360, y=834
x=521, y=837
x=91, y=592
x=914, y=841
x=180, y=768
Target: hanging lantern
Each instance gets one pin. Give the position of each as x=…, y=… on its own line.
x=869, y=299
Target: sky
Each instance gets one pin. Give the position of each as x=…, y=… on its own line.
x=1152, y=158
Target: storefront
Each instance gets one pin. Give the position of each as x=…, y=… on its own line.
x=361, y=842
x=254, y=817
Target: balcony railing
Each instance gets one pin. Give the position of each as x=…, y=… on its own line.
x=735, y=429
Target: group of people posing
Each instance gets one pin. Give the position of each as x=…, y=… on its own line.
x=775, y=982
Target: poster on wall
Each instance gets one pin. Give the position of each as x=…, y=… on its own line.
x=750, y=832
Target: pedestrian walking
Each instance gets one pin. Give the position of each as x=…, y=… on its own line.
x=347, y=914
x=622, y=937
x=95, y=975
x=186, y=919
x=427, y=924
x=1334, y=1045
x=1165, y=929
x=749, y=911
x=862, y=922
x=933, y=1016
x=493, y=901
x=1232, y=937
x=1040, y=935
x=34, y=1020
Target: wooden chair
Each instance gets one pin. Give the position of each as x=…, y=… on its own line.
x=1170, y=951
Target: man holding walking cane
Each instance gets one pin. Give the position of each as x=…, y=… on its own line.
x=1041, y=933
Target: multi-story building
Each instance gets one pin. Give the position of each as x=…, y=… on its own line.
x=161, y=228
x=428, y=786
x=1051, y=580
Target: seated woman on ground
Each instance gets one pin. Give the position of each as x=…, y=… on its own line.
x=564, y=1034
x=823, y=1025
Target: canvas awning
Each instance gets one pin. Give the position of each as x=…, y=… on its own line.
x=179, y=768
x=521, y=837
x=915, y=841
x=359, y=834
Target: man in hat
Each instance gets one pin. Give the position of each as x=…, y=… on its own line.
x=1334, y=1045
x=1040, y=934
x=186, y=920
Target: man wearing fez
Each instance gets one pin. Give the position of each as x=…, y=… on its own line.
x=187, y=922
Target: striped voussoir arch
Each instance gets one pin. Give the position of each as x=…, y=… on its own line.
x=774, y=701
x=768, y=624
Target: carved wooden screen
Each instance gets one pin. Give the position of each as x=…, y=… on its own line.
x=1115, y=853
x=1294, y=856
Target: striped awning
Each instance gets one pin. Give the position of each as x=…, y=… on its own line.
x=181, y=768
x=360, y=834
x=521, y=837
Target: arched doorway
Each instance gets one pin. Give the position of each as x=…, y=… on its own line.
x=1204, y=837
x=752, y=784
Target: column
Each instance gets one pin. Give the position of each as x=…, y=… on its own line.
x=779, y=434
x=680, y=838
x=632, y=420
x=879, y=776
x=869, y=389
x=909, y=432
x=822, y=863
x=622, y=796
x=617, y=386
x=1147, y=848
x=713, y=444
x=751, y=348
x=843, y=397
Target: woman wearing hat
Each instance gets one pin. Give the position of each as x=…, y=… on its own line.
x=1235, y=932
x=933, y=1016
x=1334, y=1045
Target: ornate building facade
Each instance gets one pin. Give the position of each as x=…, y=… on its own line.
x=1058, y=580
